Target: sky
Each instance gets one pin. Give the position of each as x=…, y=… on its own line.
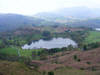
x=30, y=7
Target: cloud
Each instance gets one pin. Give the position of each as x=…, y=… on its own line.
x=28, y=7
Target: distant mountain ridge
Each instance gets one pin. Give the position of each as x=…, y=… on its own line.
x=74, y=16
x=75, y=12
x=14, y=21
x=91, y=23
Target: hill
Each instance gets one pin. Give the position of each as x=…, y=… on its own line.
x=15, y=68
x=82, y=60
x=92, y=23
x=14, y=21
x=79, y=12
x=65, y=63
x=74, y=16
x=72, y=12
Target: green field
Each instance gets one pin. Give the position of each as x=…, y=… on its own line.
x=94, y=36
x=9, y=51
x=28, y=53
x=0, y=41
x=18, y=51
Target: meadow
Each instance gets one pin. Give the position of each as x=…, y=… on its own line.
x=17, y=51
x=9, y=51
x=93, y=37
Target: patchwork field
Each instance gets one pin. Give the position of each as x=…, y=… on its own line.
x=18, y=51
x=28, y=53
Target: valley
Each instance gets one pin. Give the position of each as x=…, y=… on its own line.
x=63, y=42
x=82, y=60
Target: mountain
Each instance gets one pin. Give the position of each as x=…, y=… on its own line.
x=72, y=12
x=91, y=23
x=77, y=12
x=55, y=17
x=14, y=21
x=73, y=16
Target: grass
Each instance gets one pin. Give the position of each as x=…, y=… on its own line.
x=0, y=41
x=94, y=36
x=9, y=51
x=15, y=68
x=28, y=53
x=18, y=51
x=72, y=71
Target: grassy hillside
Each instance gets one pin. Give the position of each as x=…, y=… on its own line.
x=81, y=60
x=15, y=68
x=94, y=36
x=67, y=63
x=70, y=71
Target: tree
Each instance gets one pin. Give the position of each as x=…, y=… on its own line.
x=46, y=35
x=70, y=47
x=85, y=47
x=51, y=73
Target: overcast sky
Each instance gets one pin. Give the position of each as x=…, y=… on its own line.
x=29, y=7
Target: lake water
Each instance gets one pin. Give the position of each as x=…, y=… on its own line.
x=97, y=29
x=54, y=43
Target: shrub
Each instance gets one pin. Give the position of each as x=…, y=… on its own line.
x=51, y=73
x=44, y=73
x=81, y=68
x=75, y=57
x=78, y=60
x=88, y=63
x=93, y=69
